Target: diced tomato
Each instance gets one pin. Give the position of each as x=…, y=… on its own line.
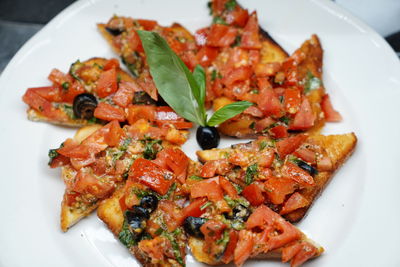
x=112, y=133
x=123, y=97
x=193, y=209
x=146, y=82
x=263, y=124
x=213, y=167
x=212, y=229
x=221, y=35
x=279, y=131
x=175, y=136
x=122, y=204
x=50, y=93
x=178, y=162
x=250, y=37
x=296, y=201
x=239, y=158
x=111, y=64
x=207, y=188
x=290, y=251
x=147, y=24
x=306, y=155
x=59, y=161
x=331, y=115
x=75, y=88
x=239, y=74
x=206, y=55
x=59, y=77
x=228, y=188
x=237, y=17
x=290, y=69
x=253, y=194
x=307, y=252
x=304, y=118
x=265, y=158
x=230, y=248
x=107, y=112
x=70, y=198
x=268, y=102
x=165, y=113
x=289, y=145
x=201, y=36
x=324, y=164
x=134, y=42
x=152, y=228
x=253, y=111
x=180, y=125
x=87, y=183
x=99, y=166
x=292, y=171
x=173, y=215
x=151, y=175
x=266, y=69
x=292, y=98
x=137, y=112
x=278, y=188
x=107, y=83
x=244, y=247
x=153, y=248
x=218, y=6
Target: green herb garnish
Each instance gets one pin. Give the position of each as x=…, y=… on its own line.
x=65, y=85
x=151, y=148
x=250, y=173
x=311, y=82
x=219, y=20
x=230, y=5
x=125, y=236
x=196, y=178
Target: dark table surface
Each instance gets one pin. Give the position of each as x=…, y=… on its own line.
x=21, y=19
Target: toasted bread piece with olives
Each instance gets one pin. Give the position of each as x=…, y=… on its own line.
x=328, y=154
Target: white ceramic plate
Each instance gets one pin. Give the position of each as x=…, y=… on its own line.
x=357, y=217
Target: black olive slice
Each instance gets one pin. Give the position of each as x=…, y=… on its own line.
x=192, y=226
x=149, y=202
x=114, y=32
x=207, y=137
x=239, y=212
x=140, y=212
x=84, y=106
x=308, y=168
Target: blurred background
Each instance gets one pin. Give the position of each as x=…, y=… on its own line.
x=21, y=19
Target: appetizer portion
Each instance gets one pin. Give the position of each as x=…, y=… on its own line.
x=96, y=91
x=287, y=174
x=96, y=162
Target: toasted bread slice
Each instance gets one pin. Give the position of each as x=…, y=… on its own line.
x=337, y=147
x=270, y=51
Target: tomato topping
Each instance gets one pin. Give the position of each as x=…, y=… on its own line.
x=124, y=96
x=287, y=146
x=213, y=167
x=265, y=158
x=238, y=74
x=75, y=88
x=201, y=36
x=59, y=77
x=221, y=35
x=304, y=118
x=228, y=188
x=151, y=175
x=250, y=38
x=237, y=17
x=263, y=124
x=153, y=248
x=268, y=102
x=253, y=194
x=147, y=24
x=146, y=82
x=165, y=113
x=206, y=55
x=296, y=201
x=173, y=216
x=244, y=247
x=107, y=83
x=137, y=112
x=306, y=155
x=292, y=98
x=278, y=188
x=230, y=248
x=70, y=198
x=50, y=93
x=212, y=230
x=193, y=209
x=112, y=133
x=279, y=131
x=253, y=111
x=218, y=6
x=292, y=171
x=266, y=69
x=178, y=162
x=290, y=251
x=306, y=252
x=331, y=115
x=324, y=164
x=152, y=228
x=111, y=64
x=107, y=112
x=207, y=188
x=59, y=161
x=86, y=183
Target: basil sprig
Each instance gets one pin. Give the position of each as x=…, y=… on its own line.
x=183, y=91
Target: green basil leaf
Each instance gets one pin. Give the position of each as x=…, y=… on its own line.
x=227, y=112
x=199, y=92
x=173, y=79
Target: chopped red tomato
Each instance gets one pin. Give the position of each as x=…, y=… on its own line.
x=296, y=201
x=59, y=77
x=287, y=146
x=111, y=64
x=304, y=118
x=151, y=175
x=165, y=113
x=218, y=6
x=265, y=158
x=324, y=164
x=152, y=228
x=213, y=167
x=201, y=36
x=237, y=17
x=75, y=88
x=207, y=188
x=263, y=124
x=278, y=188
x=146, y=82
x=206, y=55
x=244, y=247
x=250, y=37
x=50, y=93
x=268, y=102
x=107, y=83
x=123, y=97
x=253, y=194
x=306, y=155
x=112, y=133
x=290, y=251
x=238, y=74
x=147, y=24
x=70, y=198
x=137, y=112
x=221, y=35
x=59, y=161
x=193, y=209
x=306, y=252
x=228, y=188
x=107, y=112
x=294, y=172
x=212, y=230
x=279, y=131
x=178, y=162
x=173, y=216
x=86, y=183
x=253, y=111
x=331, y=115
x=230, y=248
x=153, y=248
x=292, y=100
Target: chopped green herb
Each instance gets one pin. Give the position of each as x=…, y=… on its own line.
x=219, y=20
x=119, y=78
x=68, y=110
x=125, y=144
x=237, y=225
x=93, y=120
x=214, y=75
x=52, y=155
x=65, y=85
x=207, y=204
x=250, y=173
x=238, y=40
x=311, y=82
x=252, y=125
x=239, y=189
x=126, y=237
x=281, y=98
x=74, y=68
x=134, y=64
x=230, y=5
x=158, y=231
x=255, y=91
x=196, y=178
x=175, y=247
x=209, y=5
x=170, y=191
x=224, y=239
x=230, y=201
x=151, y=148
x=285, y=120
